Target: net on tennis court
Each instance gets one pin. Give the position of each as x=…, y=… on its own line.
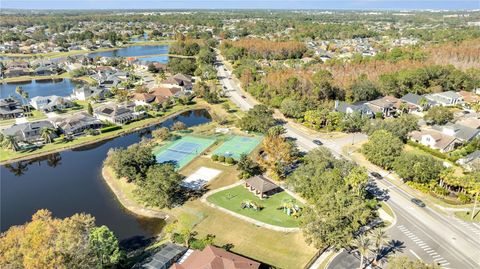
x=183, y=152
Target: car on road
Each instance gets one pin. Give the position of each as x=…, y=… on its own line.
x=317, y=142
x=224, y=69
x=418, y=202
x=244, y=97
x=224, y=87
x=376, y=175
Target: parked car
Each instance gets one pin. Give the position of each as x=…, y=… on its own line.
x=243, y=96
x=418, y=202
x=317, y=142
x=376, y=175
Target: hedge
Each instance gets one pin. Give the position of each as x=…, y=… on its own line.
x=110, y=129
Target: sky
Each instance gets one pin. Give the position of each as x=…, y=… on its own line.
x=239, y=4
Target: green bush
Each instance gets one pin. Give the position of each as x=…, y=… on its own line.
x=221, y=158
x=440, y=191
x=214, y=157
x=464, y=198
x=178, y=238
x=434, y=152
x=419, y=186
x=110, y=129
x=229, y=160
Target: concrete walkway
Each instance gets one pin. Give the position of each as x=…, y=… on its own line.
x=245, y=218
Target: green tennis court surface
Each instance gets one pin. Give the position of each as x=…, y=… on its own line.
x=237, y=146
x=182, y=151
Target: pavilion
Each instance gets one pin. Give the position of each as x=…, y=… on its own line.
x=261, y=186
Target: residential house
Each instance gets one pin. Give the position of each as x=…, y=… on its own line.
x=77, y=123
x=143, y=99
x=16, y=69
x=347, y=108
x=184, y=82
x=471, y=161
x=469, y=98
x=10, y=108
x=471, y=122
x=435, y=140
x=86, y=92
x=163, y=258
x=116, y=114
x=28, y=132
x=448, y=98
x=50, y=103
x=167, y=92
x=416, y=103
x=444, y=138
x=387, y=105
x=214, y=258
x=463, y=133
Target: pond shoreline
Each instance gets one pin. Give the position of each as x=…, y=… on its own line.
x=126, y=202
x=16, y=56
x=106, y=137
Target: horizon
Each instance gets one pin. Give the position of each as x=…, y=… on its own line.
x=142, y=5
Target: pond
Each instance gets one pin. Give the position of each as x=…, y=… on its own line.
x=70, y=182
x=159, y=58
x=132, y=51
x=44, y=87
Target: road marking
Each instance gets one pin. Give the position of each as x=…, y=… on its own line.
x=426, y=247
x=430, y=251
x=433, y=253
x=415, y=254
x=445, y=264
x=436, y=256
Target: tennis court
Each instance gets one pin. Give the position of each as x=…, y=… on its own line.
x=238, y=145
x=182, y=151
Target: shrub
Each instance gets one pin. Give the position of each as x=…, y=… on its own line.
x=221, y=158
x=214, y=157
x=464, y=198
x=110, y=129
x=229, y=160
x=178, y=238
x=419, y=186
x=440, y=191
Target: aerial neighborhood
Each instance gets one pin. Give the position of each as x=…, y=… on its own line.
x=135, y=137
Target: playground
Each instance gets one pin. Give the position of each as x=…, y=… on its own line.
x=238, y=145
x=274, y=210
x=182, y=151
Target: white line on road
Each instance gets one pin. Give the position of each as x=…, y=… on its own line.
x=415, y=254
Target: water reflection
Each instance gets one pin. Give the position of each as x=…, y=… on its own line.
x=70, y=182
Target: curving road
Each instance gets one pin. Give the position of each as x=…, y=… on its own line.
x=425, y=234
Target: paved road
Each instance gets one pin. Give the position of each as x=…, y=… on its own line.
x=425, y=234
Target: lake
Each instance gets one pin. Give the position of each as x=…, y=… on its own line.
x=44, y=87
x=132, y=51
x=70, y=182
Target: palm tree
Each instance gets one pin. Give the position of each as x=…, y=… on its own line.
x=26, y=96
x=46, y=133
x=363, y=245
x=10, y=142
x=475, y=189
x=423, y=103
x=379, y=238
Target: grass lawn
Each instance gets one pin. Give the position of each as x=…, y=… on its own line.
x=282, y=250
x=387, y=209
x=231, y=199
x=463, y=215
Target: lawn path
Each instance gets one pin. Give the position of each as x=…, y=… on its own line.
x=245, y=218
